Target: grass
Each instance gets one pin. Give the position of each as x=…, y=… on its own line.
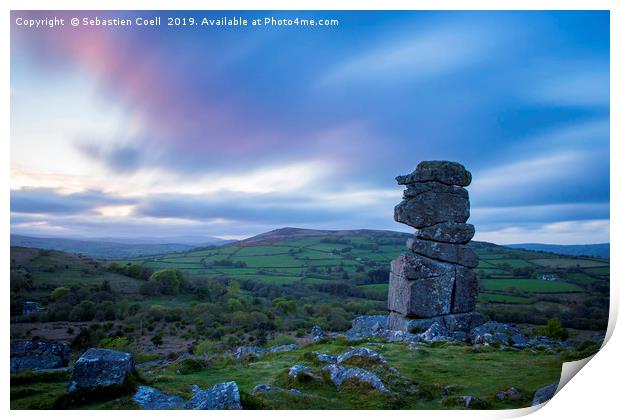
x=498, y=298
x=424, y=374
x=529, y=285
x=569, y=262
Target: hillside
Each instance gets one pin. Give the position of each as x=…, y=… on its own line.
x=271, y=290
x=106, y=249
x=590, y=250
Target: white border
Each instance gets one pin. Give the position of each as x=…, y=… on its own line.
x=592, y=395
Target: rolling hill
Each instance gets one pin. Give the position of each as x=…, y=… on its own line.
x=590, y=250
x=108, y=249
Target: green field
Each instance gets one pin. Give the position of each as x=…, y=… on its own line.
x=423, y=376
x=530, y=285
x=497, y=298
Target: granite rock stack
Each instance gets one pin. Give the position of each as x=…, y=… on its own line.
x=434, y=281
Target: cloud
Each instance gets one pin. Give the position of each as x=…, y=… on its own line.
x=120, y=158
x=572, y=84
x=562, y=233
x=416, y=55
x=47, y=200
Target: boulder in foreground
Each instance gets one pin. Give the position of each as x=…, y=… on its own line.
x=101, y=368
x=544, y=394
x=152, y=399
x=223, y=396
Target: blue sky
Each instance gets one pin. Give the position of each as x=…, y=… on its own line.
x=142, y=132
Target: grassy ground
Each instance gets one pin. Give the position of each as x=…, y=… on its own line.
x=424, y=374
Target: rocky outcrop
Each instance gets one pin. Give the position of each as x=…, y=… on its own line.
x=284, y=347
x=149, y=398
x=510, y=394
x=340, y=374
x=544, y=394
x=101, y=368
x=38, y=355
x=300, y=371
x=366, y=326
x=223, y=396
x=317, y=334
x=249, y=352
x=326, y=358
x=361, y=353
x=433, y=287
x=497, y=333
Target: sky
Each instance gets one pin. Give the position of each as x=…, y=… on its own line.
x=163, y=132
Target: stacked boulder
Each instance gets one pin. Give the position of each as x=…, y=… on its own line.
x=434, y=281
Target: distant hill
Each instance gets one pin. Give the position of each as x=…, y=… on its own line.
x=107, y=249
x=291, y=233
x=590, y=250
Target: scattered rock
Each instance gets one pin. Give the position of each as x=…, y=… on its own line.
x=317, y=334
x=510, y=394
x=38, y=355
x=223, y=396
x=152, y=399
x=101, y=368
x=300, y=371
x=249, y=352
x=545, y=342
x=470, y=401
x=322, y=357
x=544, y=394
x=436, y=332
x=340, y=374
x=366, y=326
x=363, y=353
x=285, y=347
x=497, y=333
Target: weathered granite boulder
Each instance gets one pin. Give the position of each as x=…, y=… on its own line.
x=421, y=298
x=510, y=394
x=317, y=334
x=249, y=352
x=152, y=399
x=497, y=333
x=284, y=347
x=413, y=266
x=465, y=290
x=300, y=371
x=453, y=253
x=223, y=396
x=544, y=394
x=101, y=368
x=436, y=332
x=449, y=232
x=446, y=172
x=452, y=322
x=429, y=208
x=340, y=374
x=417, y=188
x=545, y=342
x=361, y=353
x=267, y=388
x=38, y=355
x=322, y=357
x=366, y=326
